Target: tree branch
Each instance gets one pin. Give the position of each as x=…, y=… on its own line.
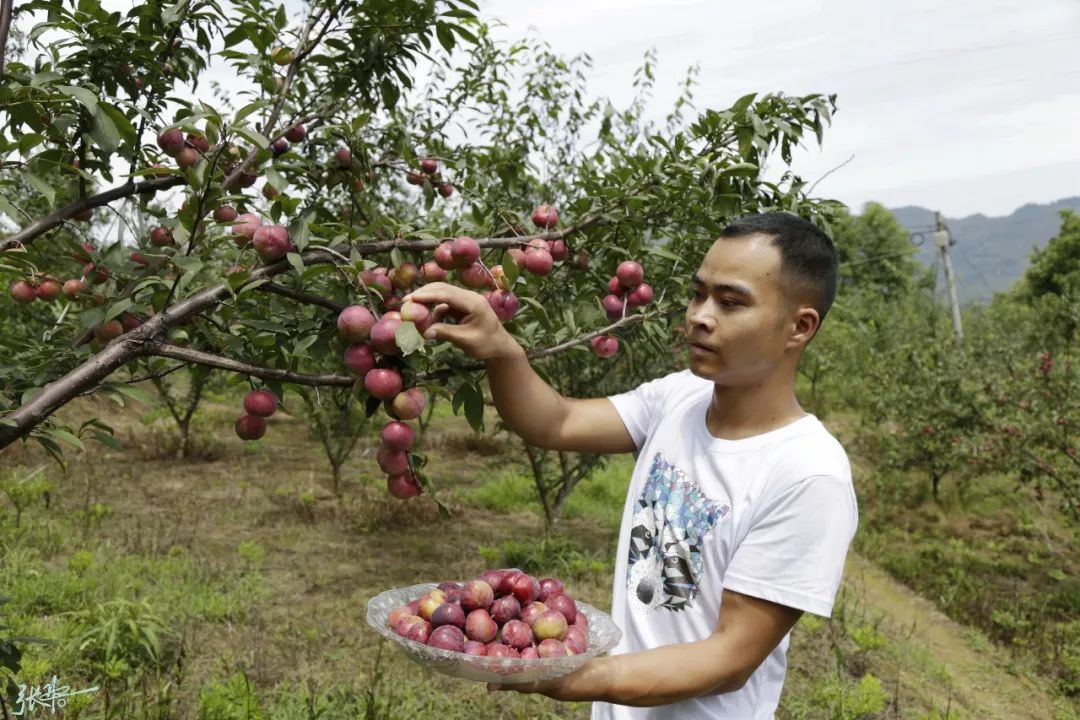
x=272, y=287
x=198, y=357
x=48, y=222
x=21, y=421
x=6, y=9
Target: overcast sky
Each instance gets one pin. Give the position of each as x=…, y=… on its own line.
x=963, y=106
x=960, y=105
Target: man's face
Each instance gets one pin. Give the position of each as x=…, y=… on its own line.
x=738, y=322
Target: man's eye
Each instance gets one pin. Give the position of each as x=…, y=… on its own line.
x=729, y=303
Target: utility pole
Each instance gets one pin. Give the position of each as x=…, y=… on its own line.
x=943, y=239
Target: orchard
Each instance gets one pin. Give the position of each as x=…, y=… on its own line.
x=271, y=231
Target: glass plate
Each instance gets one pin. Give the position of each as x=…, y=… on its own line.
x=603, y=635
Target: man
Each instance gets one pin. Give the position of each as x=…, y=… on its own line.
x=740, y=509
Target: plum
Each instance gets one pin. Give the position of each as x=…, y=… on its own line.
x=550, y=624
x=516, y=634
x=630, y=274
x=397, y=614
x=447, y=637
x=477, y=594
x=525, y=588
x=564, y=604
x=550, y=586
x=506, y=587
x=505, y=609
x=497, y=649
x=429, y=602
x=551, y=648
x=448, y=614
x=576, y=640
x=419, y=632
x=472, y=647
x=479, y=626
x=530, y=612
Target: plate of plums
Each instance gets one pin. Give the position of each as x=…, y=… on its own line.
x=504, y=626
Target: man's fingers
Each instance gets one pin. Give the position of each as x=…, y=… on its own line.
x=442, y=331
x=438, y=292
x=439, y=312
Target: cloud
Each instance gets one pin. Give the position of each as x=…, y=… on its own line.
x=938, y=100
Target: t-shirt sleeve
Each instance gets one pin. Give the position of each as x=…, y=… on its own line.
x=642, y=407
x=794, y=552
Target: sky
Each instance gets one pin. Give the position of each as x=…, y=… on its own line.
x=963, y=106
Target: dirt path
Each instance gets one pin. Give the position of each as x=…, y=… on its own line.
x=973, y=674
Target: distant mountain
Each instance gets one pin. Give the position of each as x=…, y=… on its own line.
x=991, y=253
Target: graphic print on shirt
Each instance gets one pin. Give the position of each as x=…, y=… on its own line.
x=671, y=520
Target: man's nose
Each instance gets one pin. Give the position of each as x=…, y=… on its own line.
x=699, y=318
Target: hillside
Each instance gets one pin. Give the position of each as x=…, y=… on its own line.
x=991, y=252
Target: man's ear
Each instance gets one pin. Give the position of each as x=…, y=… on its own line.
x=804, y=326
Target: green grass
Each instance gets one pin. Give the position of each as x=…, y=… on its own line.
x=268, y=579
x=600, y=497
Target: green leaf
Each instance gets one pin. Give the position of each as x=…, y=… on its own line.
x=116, y=308
x=39, y=184
x=390, y=92
x=743, y=103
x=104, y=131
x=252, y=137
x=8, y=209
x=187, y=263
x=474, y=409
x=85, y=98
x=297, y=262
x=120, y=120
x=50, y=446
x=236, y=37
x=445, y=35
x=132, y=392
x=396, y=258
x=280, y=19
x=171, y=13
x=106, y=439
x=248, y=109
x=408, y=338
x=661, y=252
x=510, y=268
x=303, y=344
x=29, y=141
x=65, y=436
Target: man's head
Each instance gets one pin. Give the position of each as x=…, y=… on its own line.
x=759, y=297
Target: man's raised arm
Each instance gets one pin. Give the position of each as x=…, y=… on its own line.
x=528, y=405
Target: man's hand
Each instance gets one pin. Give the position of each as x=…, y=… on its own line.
x=748, y=629
x=530, y=407
x=577, y=685
x=478, y=331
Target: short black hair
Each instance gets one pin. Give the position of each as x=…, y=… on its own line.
x=807, y=255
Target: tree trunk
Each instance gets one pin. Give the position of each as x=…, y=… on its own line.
x=184, y=450
x=537, y=466
x=425, y=418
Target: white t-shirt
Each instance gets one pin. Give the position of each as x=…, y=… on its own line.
x=769, y=516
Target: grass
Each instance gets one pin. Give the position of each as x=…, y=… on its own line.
x=253, y=579
x=991, y=557
x=599, y=498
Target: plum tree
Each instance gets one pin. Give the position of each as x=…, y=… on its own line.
x=256, y=283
